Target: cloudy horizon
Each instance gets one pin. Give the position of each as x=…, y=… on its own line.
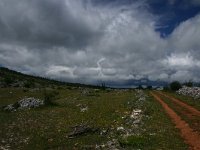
x=88, y=41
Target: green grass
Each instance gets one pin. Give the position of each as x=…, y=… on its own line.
x=52, y=124
x=48, y=127
x=187, y=99
x=158, y=132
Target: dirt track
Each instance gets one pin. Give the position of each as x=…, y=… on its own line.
x=191, y=138
x=182, y=104
x=187, y=112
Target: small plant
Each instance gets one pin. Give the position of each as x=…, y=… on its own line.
x=135, y=141
x=29, y=84
x=149, y=87
x=8, y=80
x=25, y=90
x=50, y=97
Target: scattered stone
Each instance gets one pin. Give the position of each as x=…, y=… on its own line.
x=4, y=148
x=84, y=109
x=160, y=89
x=120, y=128
x=133, y=119
x=190, y=91
x=30, y=103
x=136, y=113
x=104, y=131
x=110, y=145
x=50, y=140
x=85, y=92
x=88, y=147
x=80, y=130
x=24, y=103
x=142, y=99
x=9, y=107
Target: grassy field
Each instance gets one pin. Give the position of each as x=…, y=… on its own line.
x=108, y=111
x=187, y=99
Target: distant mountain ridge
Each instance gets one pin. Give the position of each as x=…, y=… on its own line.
x=17, y=79
x=141, y=82
x=11, y=78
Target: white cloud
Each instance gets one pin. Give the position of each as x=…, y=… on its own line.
x=83, y=42
x=186, y=36
x=60, y=71
x=183, y=76
x=180, y=60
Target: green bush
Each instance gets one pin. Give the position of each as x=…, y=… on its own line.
x=188, y=84
x=174, y=86
x=166, y=88
x=8, y=80
x=50, y=97
x=29, y=84
x=149, y=87
x=140, y=87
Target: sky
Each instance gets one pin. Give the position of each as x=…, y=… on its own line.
x=94, y=41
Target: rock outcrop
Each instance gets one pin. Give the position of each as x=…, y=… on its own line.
x=24, y=103
x=190, y=91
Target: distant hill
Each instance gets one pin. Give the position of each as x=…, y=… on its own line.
x=144, y=82
x=11, y=78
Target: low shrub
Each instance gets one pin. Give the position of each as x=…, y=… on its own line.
x=174, y=86
x=50, y=97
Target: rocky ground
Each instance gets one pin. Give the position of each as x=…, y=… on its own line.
x=84, y=118
x=24, y=103
x=190, y=91
x=130, y=126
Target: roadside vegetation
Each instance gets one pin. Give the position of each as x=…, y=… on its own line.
x=187, y=99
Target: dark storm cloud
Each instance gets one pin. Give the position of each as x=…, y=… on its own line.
x=88, y=42
x=46, y=23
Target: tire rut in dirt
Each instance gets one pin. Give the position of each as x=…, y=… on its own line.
x=191, y=138
x=188, y=115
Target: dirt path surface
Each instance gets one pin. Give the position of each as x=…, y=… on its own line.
x=187, y=112
x=191, y=138
x=182, y=104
